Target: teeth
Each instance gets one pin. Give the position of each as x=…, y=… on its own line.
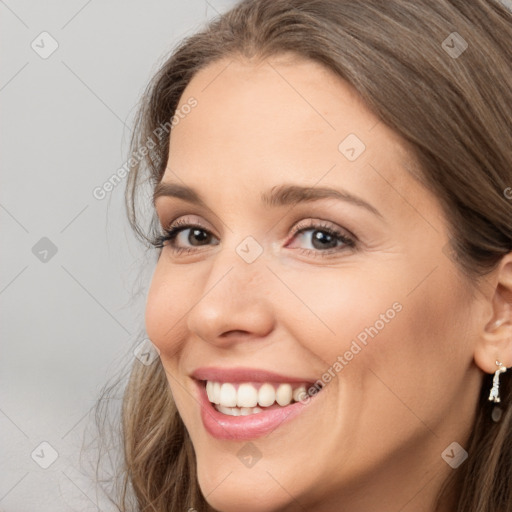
x=246, y=397
x=284, y=394
x=266, y=395
x=213, y=392
x=209, y=391
x=227, y=395
x=245, y=411
x=299, y=393
x=235, y=411
x=216, y=392
x=232, y=411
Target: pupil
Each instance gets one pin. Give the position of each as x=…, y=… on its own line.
x=321, y=236
x=197, y=234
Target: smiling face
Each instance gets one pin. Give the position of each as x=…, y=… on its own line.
x=352, y=290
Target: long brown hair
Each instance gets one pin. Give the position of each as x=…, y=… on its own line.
x=454, y=111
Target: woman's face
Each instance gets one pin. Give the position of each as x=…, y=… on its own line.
x=353, y=289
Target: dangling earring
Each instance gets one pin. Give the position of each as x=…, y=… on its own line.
x=494, y=395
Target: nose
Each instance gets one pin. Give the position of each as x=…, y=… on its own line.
x=233, y=303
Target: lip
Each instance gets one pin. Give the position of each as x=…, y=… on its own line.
x=242, y=428
x=241, y=374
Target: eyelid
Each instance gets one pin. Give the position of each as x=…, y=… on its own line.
x=180, y=220
x=315, y=222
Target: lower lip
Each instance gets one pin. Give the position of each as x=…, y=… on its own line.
x=252, y=426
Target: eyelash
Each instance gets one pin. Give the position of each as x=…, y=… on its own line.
x=177, y=227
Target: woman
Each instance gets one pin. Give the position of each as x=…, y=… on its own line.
x=332, y=302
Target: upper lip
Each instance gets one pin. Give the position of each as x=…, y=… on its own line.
x=242, y=374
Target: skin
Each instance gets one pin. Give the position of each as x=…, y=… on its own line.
x=373, y=438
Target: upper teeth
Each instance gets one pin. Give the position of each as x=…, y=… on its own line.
x=248, y=395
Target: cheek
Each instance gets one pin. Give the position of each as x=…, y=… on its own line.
x=421, y=358
x=342, y=312
x=165, y=306
x=154, y=315
x=163, y=311
x=381, y=335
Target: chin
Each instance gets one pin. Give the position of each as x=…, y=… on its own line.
x=245, y=493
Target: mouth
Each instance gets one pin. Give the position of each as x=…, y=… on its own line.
x=246, y=404
x=242, y=399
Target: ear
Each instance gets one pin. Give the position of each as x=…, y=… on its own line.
x=494, y=341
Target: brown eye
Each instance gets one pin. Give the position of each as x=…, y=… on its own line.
x=193, y=234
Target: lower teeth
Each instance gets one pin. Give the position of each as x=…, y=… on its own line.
x=238, y=411
x=245, y=411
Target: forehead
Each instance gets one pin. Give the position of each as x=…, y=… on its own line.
x=282, y=119
x=282, y=99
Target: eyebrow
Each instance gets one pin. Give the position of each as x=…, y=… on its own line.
x=279, y=195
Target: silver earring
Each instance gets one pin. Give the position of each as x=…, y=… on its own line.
x=494, y=395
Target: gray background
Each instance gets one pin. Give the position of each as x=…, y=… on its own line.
x=70, y=318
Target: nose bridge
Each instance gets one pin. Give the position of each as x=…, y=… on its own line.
x=233, y=296
x=242, y=259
